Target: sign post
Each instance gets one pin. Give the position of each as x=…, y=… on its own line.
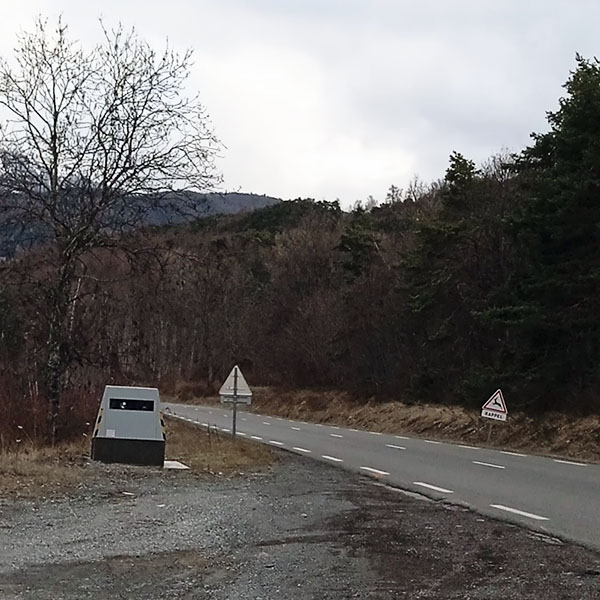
x=494, y=409
x=235, y=391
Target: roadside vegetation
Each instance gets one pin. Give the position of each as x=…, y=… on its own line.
x=29, y=470
x=487, y=278
x=552, y=433
x=212, y=452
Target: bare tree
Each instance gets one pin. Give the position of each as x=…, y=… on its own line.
x=94, y=143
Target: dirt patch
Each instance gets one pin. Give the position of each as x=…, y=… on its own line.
x=448, y=552
x=109, y=578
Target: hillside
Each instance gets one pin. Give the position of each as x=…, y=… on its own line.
x=20, y=235
x=488, y=278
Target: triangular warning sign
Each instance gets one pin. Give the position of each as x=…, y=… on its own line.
x=235, y=385
x=496, y=403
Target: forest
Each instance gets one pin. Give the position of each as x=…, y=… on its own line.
x=486, y=278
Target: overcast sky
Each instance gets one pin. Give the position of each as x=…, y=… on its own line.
x=342, y=98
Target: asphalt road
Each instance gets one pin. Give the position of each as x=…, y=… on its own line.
x=557, y=497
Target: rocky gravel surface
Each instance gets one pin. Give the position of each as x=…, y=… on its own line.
x=302, y=530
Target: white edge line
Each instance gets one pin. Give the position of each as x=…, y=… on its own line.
x=484, y=464
x=569, y=462
x=242, y=433
x=512, y=453
x=333, y=458
x=519, y=512
x=402, y=437
x=376, y=471
x=255, y=437
x=431, y=442
x=433, y=487
x=302, y=450
x=296, y=428
x=468, y=447
x=375, y=433
x=275, y=443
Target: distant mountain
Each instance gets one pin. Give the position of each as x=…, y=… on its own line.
x=13, y=236
x=235, y=202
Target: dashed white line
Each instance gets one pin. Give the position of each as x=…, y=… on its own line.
x=255, y=437
x=336, y=435
x=431, y=442
x=275, y=443
x=334, y=427
x=375, y=433
x=319, y=424
x=355, y=430
x=266, y=423
x=242, y=433
x=302, y=450
x=484, y=464
x=395, y=447
x=204, y=424
x=522, y=513
x=244, y=419
x=376, y=471
x=296, y=428
x=468, y=447
x=402, y=437
x=569, y=462
x=333, y=458
x=225, y=430
x=512, y=453
x=433, y=487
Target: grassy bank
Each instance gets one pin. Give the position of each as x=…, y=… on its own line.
x=30, y=471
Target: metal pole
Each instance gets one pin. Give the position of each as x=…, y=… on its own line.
x=235, y=378
x=234, y=417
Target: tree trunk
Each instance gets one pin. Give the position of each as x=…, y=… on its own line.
x=57, y=359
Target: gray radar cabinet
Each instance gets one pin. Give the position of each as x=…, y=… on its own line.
x=129, y=428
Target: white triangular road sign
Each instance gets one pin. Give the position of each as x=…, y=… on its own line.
x=495, y=407
x=496, y=403
x=235, y=385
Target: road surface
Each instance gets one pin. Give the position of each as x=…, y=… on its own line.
x=557, y=497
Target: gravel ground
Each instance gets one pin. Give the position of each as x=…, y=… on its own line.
x=301, y=530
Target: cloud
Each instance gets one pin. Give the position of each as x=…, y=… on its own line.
x=341, y=98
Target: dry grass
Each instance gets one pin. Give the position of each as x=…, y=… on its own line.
x=209, y=451
x=32, y=471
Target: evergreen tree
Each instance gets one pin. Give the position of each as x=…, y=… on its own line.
x=556, y=301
